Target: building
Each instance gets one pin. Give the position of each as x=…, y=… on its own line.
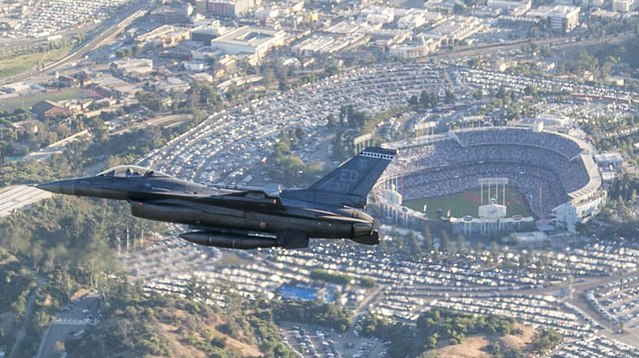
x=422, y=49
x=384, y=38
x=229, y=8
x=377, y=15
x=614, y=160
x=166, y=35
x=253, y=42
x=469, y=225
x=206, y=52
x=195, y=66
x=564, y=18
x=456, y=29
x=48, y=109
x=569, y=214
x=266, y=14
x=25, y=127
x=170, y=85
x=329, y=44
x=133, y=67
x=174, y=14
x=610, y=165
x=207, y=33
x=622, y=5
x=514, y=8
x=411, y=21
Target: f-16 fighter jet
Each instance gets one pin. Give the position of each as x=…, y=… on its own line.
x=247, y=218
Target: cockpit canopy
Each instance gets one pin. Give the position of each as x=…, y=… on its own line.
x=126, y=171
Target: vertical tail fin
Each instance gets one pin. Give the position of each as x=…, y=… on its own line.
x=351, y=182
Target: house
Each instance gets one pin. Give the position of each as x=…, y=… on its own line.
x=48, y=109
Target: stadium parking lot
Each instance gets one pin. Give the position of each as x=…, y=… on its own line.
x=71, y=322
x=230, y=144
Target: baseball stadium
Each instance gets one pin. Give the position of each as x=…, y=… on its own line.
x=500, y=174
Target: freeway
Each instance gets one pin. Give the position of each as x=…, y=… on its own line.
x=18, y=197
x=488, y=49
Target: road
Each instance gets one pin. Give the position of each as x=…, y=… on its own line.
x=17, y=197
x=488, y=49
x=160, y=121
x=55, y=148
x=576, y=299
x=40, y=280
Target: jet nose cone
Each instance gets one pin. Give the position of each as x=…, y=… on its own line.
x=58, y=187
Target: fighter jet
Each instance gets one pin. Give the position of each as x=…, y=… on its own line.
x=247, y=217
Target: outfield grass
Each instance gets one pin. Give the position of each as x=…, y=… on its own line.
x=467, y=203
x=23, y=63
x=25, y=102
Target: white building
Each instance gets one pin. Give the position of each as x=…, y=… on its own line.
x=263, y=14
x=411, y=21
x=456, y=29
x=227, y=8
x=253, y=42
x=426, y=46
x=570, y=213
x=516, y=8
x=564, y=18
x=133, y=67
x=378, y=15
x=195, y=66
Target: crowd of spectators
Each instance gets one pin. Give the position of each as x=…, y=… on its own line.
x=537, y=183
x=545, y=167
x=520, y=137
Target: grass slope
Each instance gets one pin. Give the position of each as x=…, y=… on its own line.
x=478, y=346
x=23, y=63
x=25, y=102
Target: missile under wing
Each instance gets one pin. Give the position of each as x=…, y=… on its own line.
x=247, y=218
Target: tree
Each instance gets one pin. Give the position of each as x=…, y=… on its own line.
x=428, y=239
x=424, y=99
x=546, y=339
x=58, y=347
x=331, y=121
x=530, y=90
x=413, y=245
x=99, y=130
x=449, y=97
x=444, y=241
x=434, y=98
x=461, y=243
x=218, y=342
x=413, y=100
x=494, y=250
x=149, y=100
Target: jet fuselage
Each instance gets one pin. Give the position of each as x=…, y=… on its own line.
x=247, y=217
x=177, y=201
